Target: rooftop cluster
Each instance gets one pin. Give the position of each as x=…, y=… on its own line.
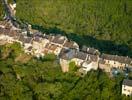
x=86, y=58
x=39, y=44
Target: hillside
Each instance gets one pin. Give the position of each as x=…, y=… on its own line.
x=23, y=77
x=104, y=20
x=102, y=24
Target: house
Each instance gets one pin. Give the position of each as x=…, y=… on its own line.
x=24, y=31
x=5, y=35
x=57, y=50
x=3, y=24
x=71, y=44
x=40, y=38
x=52, y=48
x=21, y=39
x=127, y=87
x=103, y=66
x=55, y=44
x=90, y=50
x=25, y=41
x=85, y=61
x=79, y=58
x=59, y=40
x=44, y=42
x=37, y=33
x=114, y=61
x=66, y=55
x=14, y=34
x=9, y=35
x=49, y=37
x=36, y=45
x=89, y=64
x=12, y=6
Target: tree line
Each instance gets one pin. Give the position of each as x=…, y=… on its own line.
x=1, y=10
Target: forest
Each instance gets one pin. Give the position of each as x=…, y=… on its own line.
x=24, y=77
x=107, y=23
x=1, y=11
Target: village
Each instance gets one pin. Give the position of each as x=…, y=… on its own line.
x=86, y=58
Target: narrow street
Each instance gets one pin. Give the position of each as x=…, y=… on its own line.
x=9, y=14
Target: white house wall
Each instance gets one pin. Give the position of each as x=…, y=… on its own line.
x=105, y=67
x=64, y=65
x=88, y=67
x=127, y=90
x=115, y=64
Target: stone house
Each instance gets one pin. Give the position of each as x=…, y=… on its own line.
x=25, y=41
x=59, y=40
x=103, y=66
x=71, y=44
x=87, y=66
x=14, y=34
x=66, y=55
x=107, y=62
x=127, y=87
x=5, y=24
x=52, y=48
x=90, y=63
x=90, y=50
x=5, y=35
x=85, y=61
x=79, y=58
x=37, y=45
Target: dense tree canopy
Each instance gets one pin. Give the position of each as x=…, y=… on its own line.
x=1, y=10
x=102, y=19
x=42, y=79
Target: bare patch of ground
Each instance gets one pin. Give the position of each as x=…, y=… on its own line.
x=23, y=58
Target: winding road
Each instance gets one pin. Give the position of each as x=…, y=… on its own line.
x=9, y=14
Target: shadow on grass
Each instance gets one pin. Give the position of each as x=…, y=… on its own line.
x=104, y=46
